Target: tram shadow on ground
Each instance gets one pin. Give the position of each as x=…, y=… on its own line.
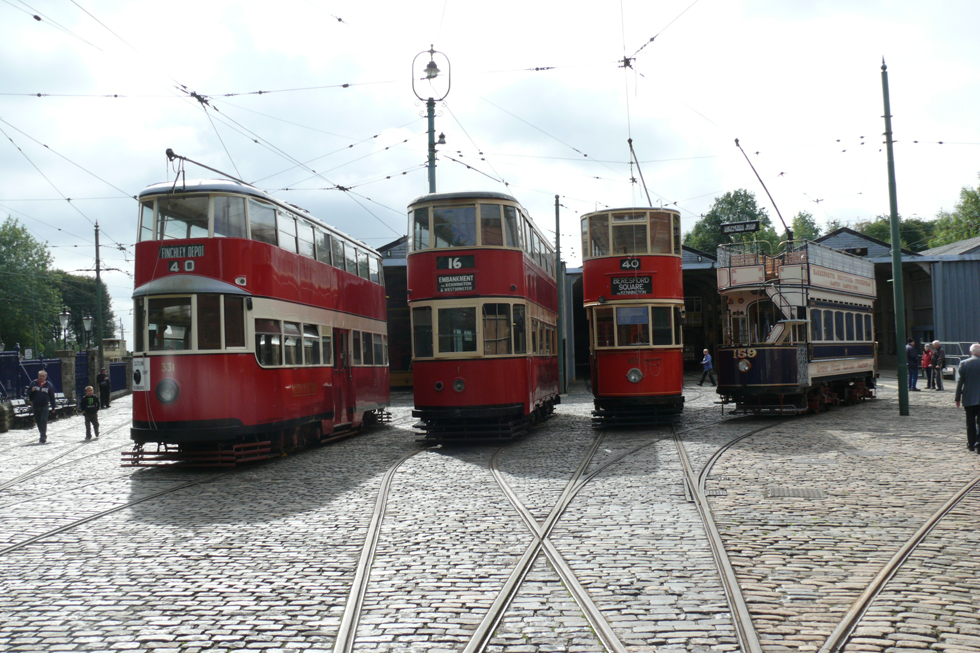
x=271, y=490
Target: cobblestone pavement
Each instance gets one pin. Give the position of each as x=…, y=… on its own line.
x=262, y=558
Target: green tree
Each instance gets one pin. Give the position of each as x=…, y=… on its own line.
x=805, y=227
x=737, y=206
x=79, y=297
x=834, y=224
x=962, y=223
x=29, y=290
x=914, y=234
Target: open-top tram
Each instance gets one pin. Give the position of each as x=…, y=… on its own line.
x=484, y=311
x=797, y=327
x=257, y=327
x=634, y=300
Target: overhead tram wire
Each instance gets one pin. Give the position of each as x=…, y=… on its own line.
x=361, y=158
x=41, y=18
x=478, y=149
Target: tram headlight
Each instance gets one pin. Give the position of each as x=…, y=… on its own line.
x=744, y=366
x=438, y=386
x=167, y=391
x=459, y=385
x=634, y=375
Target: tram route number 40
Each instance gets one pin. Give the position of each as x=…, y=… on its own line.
x=175, y=266
x=629, y=264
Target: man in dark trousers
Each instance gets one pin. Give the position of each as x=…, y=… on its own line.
x=42, y=398
x=90, y=409
x=706, y=364
x=968, y=390
x=105, y=387
x=938, y=362
x=912, y=359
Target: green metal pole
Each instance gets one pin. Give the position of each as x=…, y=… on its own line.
x=431, y=106
x=897, y=286
x=98, y=301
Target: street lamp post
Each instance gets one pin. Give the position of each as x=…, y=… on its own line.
x=87, y=323
x=64, y=316
x=430, y=74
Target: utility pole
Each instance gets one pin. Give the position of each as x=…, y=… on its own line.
x=897, y=286
x=98, y=300
x=560, y=278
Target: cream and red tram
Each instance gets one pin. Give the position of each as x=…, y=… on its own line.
x=257, y=327
x=634, y=300
x=484, y=310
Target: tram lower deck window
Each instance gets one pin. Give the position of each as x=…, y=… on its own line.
x=457, y=330
x=268, y=342
x=169, y=323
x=422, y=331
x=632, y=325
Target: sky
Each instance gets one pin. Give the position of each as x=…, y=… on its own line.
x=538, y=103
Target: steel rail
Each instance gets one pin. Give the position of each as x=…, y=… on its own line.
x=592, y=613
x=488, y=625
x=842, y=633
x=355, y=601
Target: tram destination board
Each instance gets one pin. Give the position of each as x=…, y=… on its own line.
x=181, y=251
x=639, y=285
x=740, y=227
x=456, y=283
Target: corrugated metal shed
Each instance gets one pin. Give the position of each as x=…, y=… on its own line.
x=956, y=299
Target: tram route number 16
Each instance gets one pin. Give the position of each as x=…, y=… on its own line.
x=188, y=266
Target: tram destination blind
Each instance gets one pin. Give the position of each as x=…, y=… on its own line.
x=456, y=283
x=632, y=286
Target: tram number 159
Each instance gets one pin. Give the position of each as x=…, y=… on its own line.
x=188, y=266
x=745, y=353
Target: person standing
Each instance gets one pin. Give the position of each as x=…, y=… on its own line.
x=968, y=390
x=105, y=387
x=938, y=364
x=927, y=364
x=912, y=360
x=90, y=409
x=706, y=364
x=41, y=395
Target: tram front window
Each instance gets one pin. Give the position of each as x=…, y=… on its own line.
x=184, y=217
x=146, y=220
x=420, y=221
x=633, y=325
x=454, y=226
x=169, y=323
x=598, y=236
x=660, y=233
x=661, y=330
x=490, y=228
x=629, y=233
x=510, y=227
x=605, y=332
x=457, y=330
x=229, y=217
x=262, y=219
x=496, y=329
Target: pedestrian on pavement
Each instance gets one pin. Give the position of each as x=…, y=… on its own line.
x=105, y=387
x=938, y=364
x=706, y=363
x=912, y=358
x=968, y=390
x=90, y=409
x=927, y=364
x=41, y=395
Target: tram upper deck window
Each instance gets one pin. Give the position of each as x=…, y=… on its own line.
x=660, y=326
x=677, y=233
x=229, y=216
x=422, y=331
x=209, y=321
x=510, y=227
x=350, y=256
x=305, y=238
x=146, y=220
x=182, y=217
x=491, y=230
x=598, y=236
x=496, y=329
x=339, y=258
x=363, y=268
x=420, y=230
x=454, y=226
x=234, y=321
x=661, y=230
x=323, y=247
x=632, y=325
x=457, y=330
x=375, y=267
x=287, y=232
x=605, y=332
x=262, y=220
x=268, y=342
x=629, y=233
x=169, y=323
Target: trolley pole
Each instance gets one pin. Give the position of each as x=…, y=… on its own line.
x=560, y=278
x=897, y=286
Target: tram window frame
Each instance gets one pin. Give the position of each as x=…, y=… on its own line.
x=519, y=328
x=306, y=246
x=629, y=233
x=260, y=228
x=311, y=345
x=190, y=223
x=497, y=329
x=454, y=226
x=292, y=344
x=374, y=263
x=339, y=254
x=384, y=341
x=585, y=236
x=208, y=308
x=268, y=340
x=858, y=327
x=605, y=327
x=286, y=223
x=147, y=229
x=869, y=328
x=159, y=306
x=849, y=326
x=599, y=241
x=326, y=346
x=139, y=324
x=323, y=246
x=421, y=229
x=816, y=324
x=422, y=332
x=678, y=326
x=367, y=344
x=363, y=267
x=379, y=349
x=632, y=326
x=828, y=326
x=677, y=234
x=838, y=326
x=456, y=330
x=226, y=222
x=534, y=336
x=490, y=235
x=356, y=345
x=350, y=256
x=662, y=333
x=233, y=322
x=661, y=233
x=511, y=231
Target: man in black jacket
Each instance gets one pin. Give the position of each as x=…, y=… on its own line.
x=938, y=362
x=42, y=397
x=912, y=360
x=105, y=387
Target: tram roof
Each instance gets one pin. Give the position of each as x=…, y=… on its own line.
x=633, y=208
x=241, y=188
x=478, y=194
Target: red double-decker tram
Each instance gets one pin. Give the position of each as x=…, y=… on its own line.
x=257, y=327
x=484, y=307
x=634, y=300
